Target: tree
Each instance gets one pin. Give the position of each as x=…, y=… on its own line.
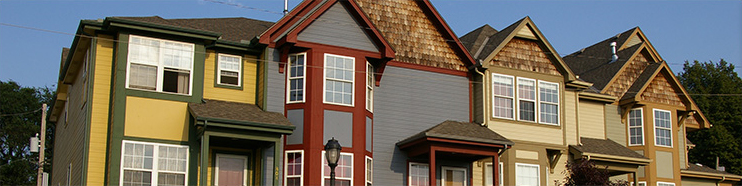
x=20, y=119
x=584, y=172
x=716, y=89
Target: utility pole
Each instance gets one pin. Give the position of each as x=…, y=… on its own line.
x=40, y=179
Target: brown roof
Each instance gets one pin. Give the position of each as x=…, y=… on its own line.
x=460, y=131
x=606, y=147
x=237, y=113
x=701, y=168
x=593, y=63
x=234, y=29
x=474, y=40
x=497, y=39
x=643, y=79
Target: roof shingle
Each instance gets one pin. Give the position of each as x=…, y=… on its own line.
x=460, y=131
x=606, y=147
x=240, y=112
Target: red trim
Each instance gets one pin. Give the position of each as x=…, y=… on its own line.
x=284, y=23
x=427, y=68
x=339, y=50
x=460, y=142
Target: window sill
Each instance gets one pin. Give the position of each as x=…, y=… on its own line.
x=227, y=86
x=533, y=123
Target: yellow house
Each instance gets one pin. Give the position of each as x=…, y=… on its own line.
x=153, y=101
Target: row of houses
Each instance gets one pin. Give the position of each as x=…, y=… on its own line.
x=238, y=101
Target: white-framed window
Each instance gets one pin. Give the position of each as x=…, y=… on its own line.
x=145, y=163
x=339, y=80
x=549, y=102
x=294, y=168
x=296, y=73
x=662, y=128
x=659, y=183
x=502, y=92
x=370, y=81
x=159, y=65
x=369, y=171
x=229, y=70
x=453, y=176
x=636, y=127
x=526, y=99
x=488, y=174
x=527, y=174
x=641, y=183
x=343, y=171
x=418, y=174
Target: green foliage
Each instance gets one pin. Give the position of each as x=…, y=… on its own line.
x=716, y=89
x=20, y=119
x=584, y=172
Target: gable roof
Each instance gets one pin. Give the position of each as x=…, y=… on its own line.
x=474, y=40
x=460, y=131
x=235, y=29
x=237, y=113
x=700, y=170
x=607, y=148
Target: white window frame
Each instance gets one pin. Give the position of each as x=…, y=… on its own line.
x=445, y=168
x=558, y=103
x=369, y=171
x=660, y=183
x=370, y=79
x=324, y=162
x=538, y=168
x=286, y=165
x=641, y=126
x=160, y=67
x=155, y=158
x=654, y=117
x=409, y=176
x=489, y=175
x=216, y=167
x=534, y=100
x=500, y=173
x=352, y=81
x=512, y=97
x=303, y=77
x=219, y=70
x=641, y=183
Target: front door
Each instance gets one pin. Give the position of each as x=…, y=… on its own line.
x=453, y=176
x=231, y=170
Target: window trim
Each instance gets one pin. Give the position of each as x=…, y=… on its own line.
x=641, y=183
x=499, y=173
x=155, y=160
x=160, y=68
x=654, y=119
x=409, y=167
x=369, y=169
x=512, y=98
x=322, y=168
x=538, y=168
x=641, y=126
x=558, y=103
x=219, y=70
x=370, y=87
x=303, y=77
x=516, y=88
x=352, y=81
x=286, y=165
x=216, y=167
x=445, y=168
x=667, y=183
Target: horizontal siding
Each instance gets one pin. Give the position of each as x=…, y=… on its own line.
x=614, y=128
x=336, y=27
x=171, y=118
x=249, y=81
x=592, y=121
x=69, y=136
x=522, y=131
x=570, y=117
x=401, y=111
x=276, y=92
x=99, y=111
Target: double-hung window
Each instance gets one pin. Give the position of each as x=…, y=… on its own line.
x=502, y=91
x=369, y=171
x=297, y=64
x=153, y=164
x=659, y=183
x=662, y=128
x=549, y=102
x=488, y=174
x=339, y=79
x=526, y=99
x=343, y=171
x=229, y=70
x=370, y=87
x=294, y=168
x=636, y=127
x=160, y=65
x=419, y=174
x=527, y=175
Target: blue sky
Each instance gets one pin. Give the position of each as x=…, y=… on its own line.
x=679, y=30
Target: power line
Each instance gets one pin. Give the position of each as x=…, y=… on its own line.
x=22, y=113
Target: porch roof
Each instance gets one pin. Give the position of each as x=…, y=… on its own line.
x=238, y=113
x=462, y=131
x=607, y=150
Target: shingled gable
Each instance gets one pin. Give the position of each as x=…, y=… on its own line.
x=286, y=31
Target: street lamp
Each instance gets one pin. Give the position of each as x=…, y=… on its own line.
x=332, y=154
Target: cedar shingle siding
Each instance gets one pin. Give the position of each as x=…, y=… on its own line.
x=629, y=75
x=523, y=54
x=660, y=90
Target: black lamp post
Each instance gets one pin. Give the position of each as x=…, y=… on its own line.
x=332, y=154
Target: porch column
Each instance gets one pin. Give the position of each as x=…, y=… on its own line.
x=204, y=159
x=277, y=161
x=636, y=179
x=432, y=167
x=495, y=170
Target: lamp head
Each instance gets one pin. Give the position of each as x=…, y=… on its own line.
x=332, y=152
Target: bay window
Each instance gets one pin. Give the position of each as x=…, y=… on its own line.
x=339, y=79
x=153, y=164
x=636, y=127
x=159, y=65
x=662, y=128
x=296, y=83
x=343, y=171
x=294, y=168
x=369, y=171
x=369, y=87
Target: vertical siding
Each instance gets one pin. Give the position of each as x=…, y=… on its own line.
x=614, y=128
x=592, y=121
x=336, y=27
x=276, y=92
x=249, y=80
x=406, y=103
x=570, y=117
x=99, y=111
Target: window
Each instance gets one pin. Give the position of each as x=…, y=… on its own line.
x=370, y=87
x=659, y=183
x=641, y=183
x=488, y=174
x=526, y=99
x=419, y=174
x=662, y=128
x=549, y=100
x=294, y=169
x=229, y=70
x=453, y=176
x=153, y=164
x=369, y=171
x=502, y=102
x=295, y=93
x=636, y=127
x=159, y=65
x=343, y=171
x=527, y=174
x=339, y=78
